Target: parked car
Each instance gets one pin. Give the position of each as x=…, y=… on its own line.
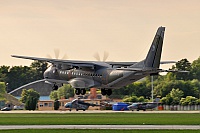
x=17, y=107
x=6, y=109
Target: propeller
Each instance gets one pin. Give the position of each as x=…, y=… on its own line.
x=97, y=56
x=57, y=53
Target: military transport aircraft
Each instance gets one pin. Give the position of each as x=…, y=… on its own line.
x=106, y=76
x=78, y=105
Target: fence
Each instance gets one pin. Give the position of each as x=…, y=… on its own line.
x=180, y=107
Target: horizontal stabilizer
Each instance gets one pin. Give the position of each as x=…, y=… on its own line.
x=174, y=71
x=151, y=70
x=167, y=62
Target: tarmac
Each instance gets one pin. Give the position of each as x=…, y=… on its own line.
x=141, y=127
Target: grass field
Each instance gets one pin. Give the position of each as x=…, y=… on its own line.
x=94, y=131
x=100, y=119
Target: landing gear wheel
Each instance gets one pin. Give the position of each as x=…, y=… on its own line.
x=109, y=92
x=55, y=87
x=83, y=91
x=77, y=91
x=103, y=92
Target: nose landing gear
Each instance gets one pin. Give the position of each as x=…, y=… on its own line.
x=55, y=87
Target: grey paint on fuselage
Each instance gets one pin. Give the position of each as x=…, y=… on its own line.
x=99, y=78
x=105, y=77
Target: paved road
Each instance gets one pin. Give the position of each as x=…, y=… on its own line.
x=194, y=127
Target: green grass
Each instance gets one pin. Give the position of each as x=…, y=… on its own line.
x=100, y=119
x=94, y=131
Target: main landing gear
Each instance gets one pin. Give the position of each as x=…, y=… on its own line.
x=55, y=87
x=79, y=91
x=82, y=91
x=107, y=92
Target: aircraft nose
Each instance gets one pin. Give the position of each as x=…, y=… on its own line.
x=47, y=73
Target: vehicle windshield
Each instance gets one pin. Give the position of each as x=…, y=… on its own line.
x=68, y=105
x=134, y=104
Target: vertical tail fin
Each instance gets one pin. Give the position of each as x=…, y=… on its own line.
x=153, y=57
x=154, y=54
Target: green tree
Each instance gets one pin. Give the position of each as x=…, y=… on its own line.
x=54, y=95
x=66, y=91
x=39, y=67
x=184, y=65
x=19, y=76
x=173, y=98
x=134, y=99
x=30, y=98
x=31, y=103
x=2, y=90
x=189, y=100
x=141, y=99
x=140, y=88
x=169, y=99
x=176, y=95
x=4, y=70
x=196, y=69
x=131, y=99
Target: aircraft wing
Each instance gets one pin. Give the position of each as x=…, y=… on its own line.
x=121, y=64
x=89, y=64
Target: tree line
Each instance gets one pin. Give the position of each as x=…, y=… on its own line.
x=17, y=76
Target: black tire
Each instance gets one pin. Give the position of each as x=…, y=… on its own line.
x=77, y=91
x=83, y=91
x=103, y=92
x=109, y=92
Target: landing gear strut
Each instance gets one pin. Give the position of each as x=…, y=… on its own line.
x=106, y=92
x=55, y=87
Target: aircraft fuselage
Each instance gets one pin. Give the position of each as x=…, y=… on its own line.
x=102, y=78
